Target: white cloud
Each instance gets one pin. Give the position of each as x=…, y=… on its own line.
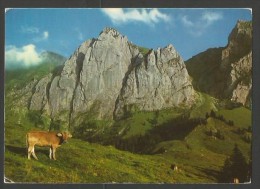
x=43, y=36
x=147, y=16
x=21, y=57
x=200, y=26
x=211, y=17
x=30, y=30
x=36, y=33
x=186, y=21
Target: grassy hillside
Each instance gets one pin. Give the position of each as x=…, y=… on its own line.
x=198, y=156
x=81, y=162
x=242, y=116
x=198, y=149
x=205, y=103
x=142, y=148
x=142, y=122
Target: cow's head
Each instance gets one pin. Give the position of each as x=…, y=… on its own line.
x=64, y=136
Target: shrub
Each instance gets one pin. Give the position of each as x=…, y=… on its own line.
x=55, y=125
x=219, y=135
x=35, y=117
x=230, y=122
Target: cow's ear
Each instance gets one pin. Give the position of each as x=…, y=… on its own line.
x=59, y=134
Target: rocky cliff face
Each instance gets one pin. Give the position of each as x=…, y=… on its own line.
x=227, y=70
x=241, y=80
x=108, y=74
x=159, y=80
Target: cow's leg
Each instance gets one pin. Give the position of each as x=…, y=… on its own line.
x=53, y=152
x=29, y=152
x=33, y=153
x=50, y=155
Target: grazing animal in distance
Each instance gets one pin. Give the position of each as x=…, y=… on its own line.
x=45, y=138
x=174, y=167
x=236, y=180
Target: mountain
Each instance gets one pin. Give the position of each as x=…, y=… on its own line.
x=20, y=83
x=110, y=76
x=52, y=57
x=121, y=101
x=157, y=81
x=49, y=61
x=226, y=72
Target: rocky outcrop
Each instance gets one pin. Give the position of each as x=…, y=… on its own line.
x=39, y=99
x=241, y=80
x=109, y=73
x=92, y=76
x=160, y=80
x=103, y=71
x=239, y=43
x=226, y=71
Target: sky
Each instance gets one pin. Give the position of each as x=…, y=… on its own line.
x=29, y=32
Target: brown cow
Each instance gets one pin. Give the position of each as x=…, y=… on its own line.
x=44, y=138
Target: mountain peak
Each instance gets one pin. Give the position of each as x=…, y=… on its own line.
x=225, y=72
x=244, y=23
x=242, y=27
x=110, y=31
x=170, y=47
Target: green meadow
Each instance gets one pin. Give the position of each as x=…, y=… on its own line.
x=198, y=155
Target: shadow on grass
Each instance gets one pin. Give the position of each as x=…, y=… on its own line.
x=16, y=149
x=175, y=129
x=23, y=150
x=211, y=173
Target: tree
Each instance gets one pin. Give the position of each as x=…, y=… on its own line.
x=212, y=114
x=235, y=166
x=249, y=175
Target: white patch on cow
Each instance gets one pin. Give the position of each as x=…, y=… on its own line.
x=59, y=134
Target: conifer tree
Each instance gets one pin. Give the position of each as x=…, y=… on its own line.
x=212, y=114
x=235, y=166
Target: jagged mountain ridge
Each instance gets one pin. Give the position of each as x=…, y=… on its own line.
x=225, y=72
x=52, y=57
x=110, y=74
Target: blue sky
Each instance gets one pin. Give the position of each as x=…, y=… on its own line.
x=29, y=32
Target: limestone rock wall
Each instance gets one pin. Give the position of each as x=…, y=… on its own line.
x=110, y=73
